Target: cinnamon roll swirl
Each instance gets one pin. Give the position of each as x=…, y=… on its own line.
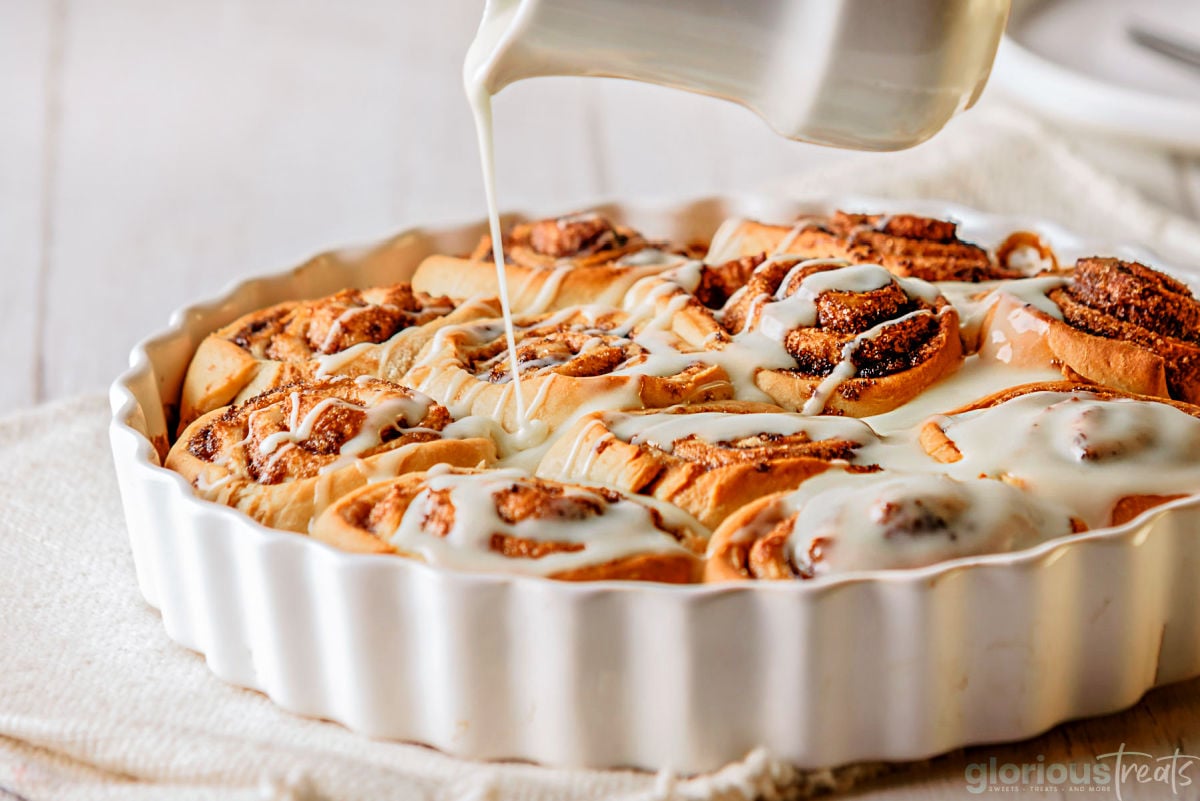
x=880, y=521
x=907, y=245
x=708, y=459
x=507, y=521
x=552, y=264
x=852, y=340
x=374, y=332
x=283, y=456
x=1108, y=455
x=1113, y=322
x=569, y=361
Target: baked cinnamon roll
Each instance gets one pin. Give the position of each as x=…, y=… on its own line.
x=354, y=332
x=709, y=459
x=507, y=521
x=569, y=361
x=1108, y=455
x=1112, y=322
x=552, y=264
x=852, y=340
x=688, y=299
x=880, y=521
x=907, y=245
x=283, y=456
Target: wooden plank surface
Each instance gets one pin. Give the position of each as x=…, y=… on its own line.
x=27, y=66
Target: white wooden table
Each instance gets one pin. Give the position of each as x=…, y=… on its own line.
x=151, y=152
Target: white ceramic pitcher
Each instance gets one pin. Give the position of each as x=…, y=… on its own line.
x=865, y=74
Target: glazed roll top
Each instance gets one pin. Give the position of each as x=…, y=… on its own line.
x=879, y=521
x=709, y=459
x=300, y=431
x=859, y=340
x=1107, y=455
x=569, y=361
x=354, y=332
x=508, y=521
x=286, y=454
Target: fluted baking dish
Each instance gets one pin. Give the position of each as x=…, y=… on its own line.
x=893, y=665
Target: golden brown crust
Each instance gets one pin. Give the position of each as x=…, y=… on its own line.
x=752, y=543
x=282, y=344
x=363, y=522
x=282, y=456
x=549, y=264
x=907, y=245
x=1123, y=325
x=1131, y=506
x=709, y=480
x=913, y=342
x=567, y=360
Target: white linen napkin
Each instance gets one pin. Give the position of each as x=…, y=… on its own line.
x=97, y=703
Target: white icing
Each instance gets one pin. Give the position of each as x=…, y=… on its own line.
x=889, y=520
x=380, y=415
x=1028, y=260
x=622, y=528
x=664, y=429
x=648, y=257
x=481, y=106
x=1043, y=441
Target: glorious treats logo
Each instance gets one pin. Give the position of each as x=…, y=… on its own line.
x=1121, y=771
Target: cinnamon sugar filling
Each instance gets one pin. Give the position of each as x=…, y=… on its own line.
x=1131, y=302
x=297, y=332
x=245, y=431
x=563, y=350
x=527, y=499
x=909, y=340
x=761, y=449
x=574, y=236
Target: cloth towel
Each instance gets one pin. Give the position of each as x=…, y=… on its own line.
x=97, y=703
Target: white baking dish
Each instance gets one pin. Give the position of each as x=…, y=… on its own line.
x=879, y=666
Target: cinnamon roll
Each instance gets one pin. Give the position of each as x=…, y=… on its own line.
x=708, y=459
x=880, y=521
x=907, y=245
x=282, y=456
x=687, y=299
x=569, y=361
x=1107, y=454
x=1112, y=322
x=507, y=521
x=852, y=340
x=552, y=264
x=354, y=332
